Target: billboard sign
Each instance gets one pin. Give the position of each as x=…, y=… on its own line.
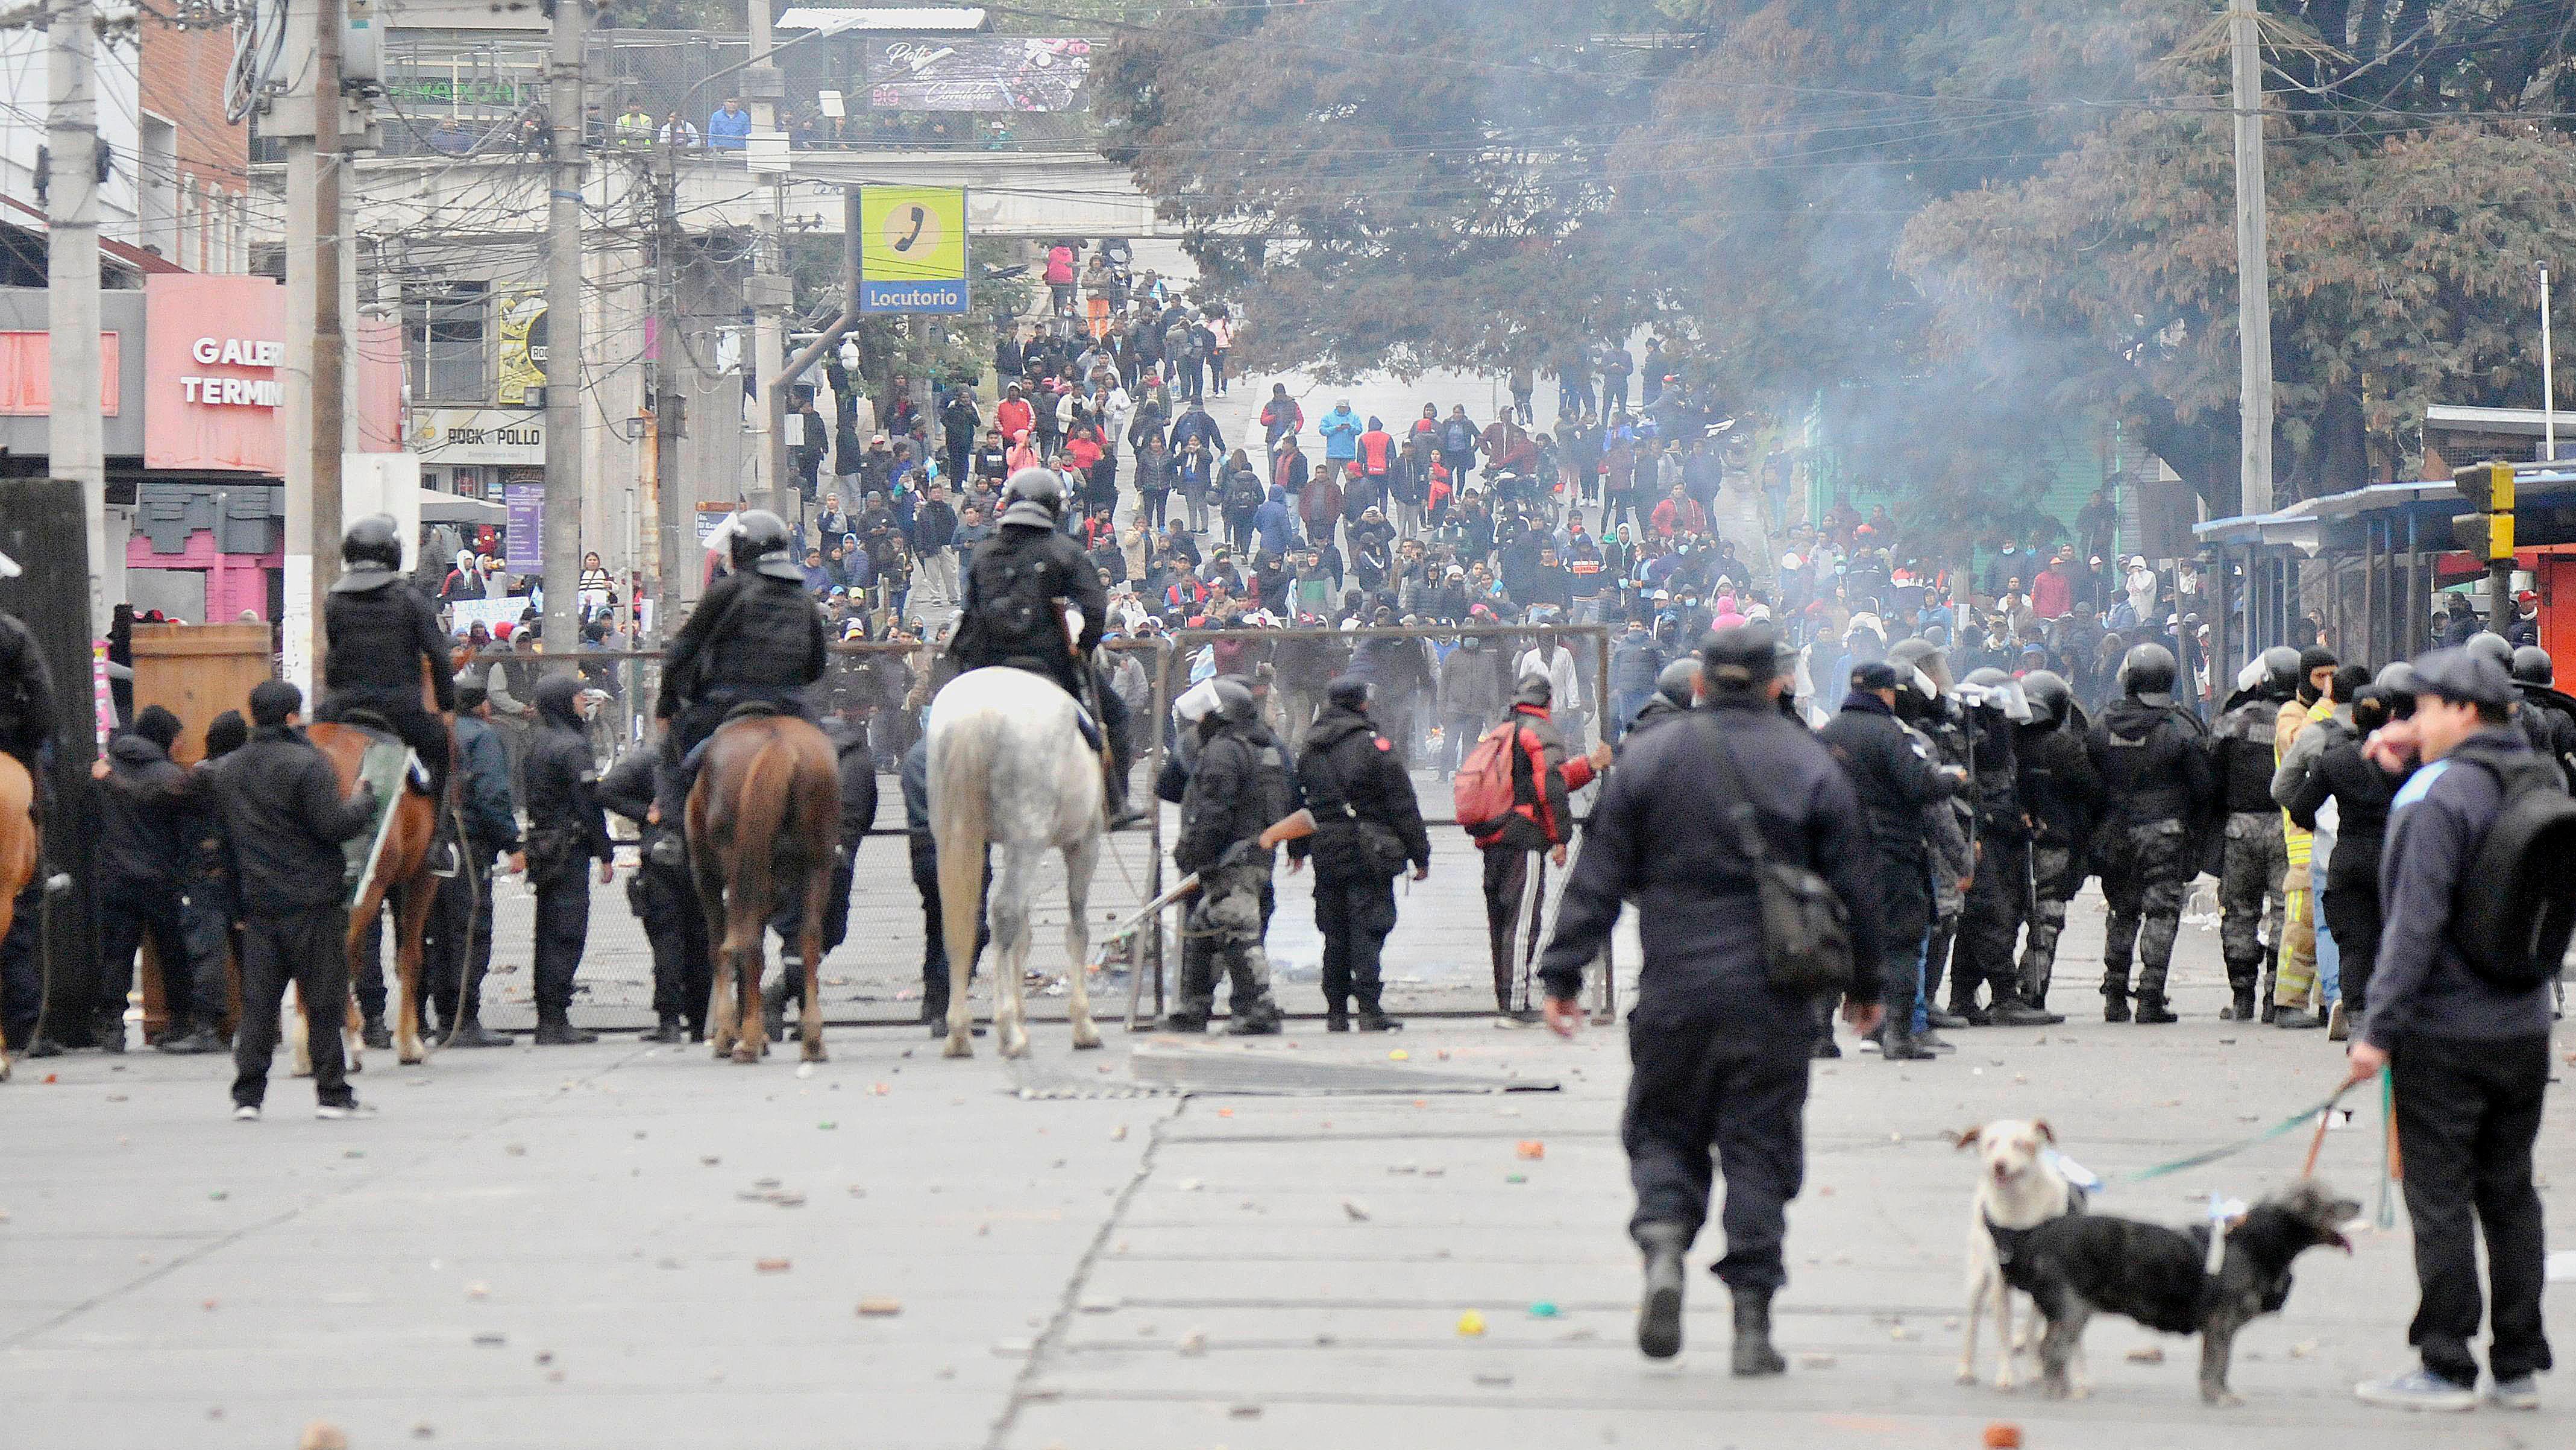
x=976, y=73
x=912, y=249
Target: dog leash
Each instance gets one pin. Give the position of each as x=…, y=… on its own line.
x=2083, y=1178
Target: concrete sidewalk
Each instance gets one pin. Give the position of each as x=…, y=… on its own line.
x=563, y=1248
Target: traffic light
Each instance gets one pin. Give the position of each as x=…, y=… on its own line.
x=2488, y=533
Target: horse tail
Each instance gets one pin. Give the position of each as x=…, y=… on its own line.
x=960, y=758
x=758, y=821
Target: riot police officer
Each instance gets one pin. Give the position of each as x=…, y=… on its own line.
x=663, y=897
x=1017, y=587
x=2153, y=760
x=2256, y=858
x=1895, y=776
x=1925, y=703
x=1367, y=827
x=566, y=833
x=2061, y=795
x=1999, y=897
x=1239, y=787
x=2547, y=718
x=756, y=638
x=383, y=635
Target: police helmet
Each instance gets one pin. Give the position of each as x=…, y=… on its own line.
x=1234, y=703
x=1678, y=681
x=1920, y=655
x=2280, y=670
x=2532, y=666
x=1034, y=496
x=2397, y=678
x=373, y=544
x=762, y=545
x=1992, y=689
x=2147, y=673
x=2050, y=699
x=2494, y=646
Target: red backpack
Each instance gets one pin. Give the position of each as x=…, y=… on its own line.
x=1483, y=786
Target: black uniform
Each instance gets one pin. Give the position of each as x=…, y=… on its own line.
x=915, y=780
x=1008, y=617
x=1239, y=788
x=142, y=849
x=2154, y=766
x=1719, y=1055
x=2062, y=795
x=26, y=727
x=1999, y=894
x=661, y=894
x=1367, y=826
x=2548, y=720
x=383, y=633
x=459, y=947
x=1893, y=774
x=752, y=639
x=858, y=775
x=566, y=833
x=285, y=818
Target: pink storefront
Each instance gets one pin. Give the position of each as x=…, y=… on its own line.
x=209, y=506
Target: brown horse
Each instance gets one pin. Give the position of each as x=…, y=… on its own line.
x=403, y=876
x=17, y=854
x=762, y=822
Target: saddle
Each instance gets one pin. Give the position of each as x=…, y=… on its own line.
x=1082, y=717
x=750, y=710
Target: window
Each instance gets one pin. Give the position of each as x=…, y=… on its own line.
x=444, y=342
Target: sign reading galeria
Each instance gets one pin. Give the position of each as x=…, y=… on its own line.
x=212, y=350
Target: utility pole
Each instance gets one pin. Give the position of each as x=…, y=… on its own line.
x=768, y=289
x=670, y=393
x=316, y=348
x=2253, y=264
x=564, y=453
x=2548, y=377
x=75, y=441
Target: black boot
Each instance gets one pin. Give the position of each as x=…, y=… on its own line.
x=2115, y=1004
x=1946, y=1021
x=2242, y=1008
x=472, y=1033
x=1261, y=1019
x=2009, y=1013
x=1374, y=1020
x=376, y=1035
x=1896, y=1043
x=203, y=1040
x=2152, y=1011
x=1753, y=1352
x=773, y=997
x=1659, y=1312
x=554, y=1029
x=669, y=1031
x=1337, y=1017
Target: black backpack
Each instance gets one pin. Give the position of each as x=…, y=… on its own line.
x=1244, y=494
x=2516, y=903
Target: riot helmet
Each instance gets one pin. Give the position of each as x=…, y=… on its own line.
x=762, y=545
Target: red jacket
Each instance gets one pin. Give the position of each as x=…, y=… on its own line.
x=1679, y=515
x=1541, y=816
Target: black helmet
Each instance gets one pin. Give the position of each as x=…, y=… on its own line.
x=2532, y=666
x=1234, y=703
x=762, y=545
x=2494, y=646
x=1993, y=689
x=2397, y=677
x=1678, y=681
x=1034, y=496
x=372, y=543
x=2147, y=674
x=1918, y=653
x=2280, y=670
x=2050, y=699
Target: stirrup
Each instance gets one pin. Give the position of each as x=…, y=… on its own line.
x=445, y=862
x=1090, y=728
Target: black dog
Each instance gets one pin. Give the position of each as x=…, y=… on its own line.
x=2084, y=1263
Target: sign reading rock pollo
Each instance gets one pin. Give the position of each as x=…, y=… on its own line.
x=213, y=350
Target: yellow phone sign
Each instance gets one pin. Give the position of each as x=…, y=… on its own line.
x=912, y=249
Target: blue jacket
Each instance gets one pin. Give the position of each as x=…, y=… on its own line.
x=2422, y=985
x=483, y=785
x=729, y=133
x=1276, y=522
x=1634, y=663
x=1341, y=429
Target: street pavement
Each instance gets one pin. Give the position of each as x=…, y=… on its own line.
x=622, y=1246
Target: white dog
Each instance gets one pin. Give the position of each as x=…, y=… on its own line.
x=2018, y=1189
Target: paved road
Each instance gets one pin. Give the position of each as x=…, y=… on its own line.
x=562, y=1247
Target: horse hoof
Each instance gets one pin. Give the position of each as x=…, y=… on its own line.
x=1015, y=1044
x=746, y=1054
x=958, y=1047
x=1085, y=1037
x=414, y=1057
x=814, y=1052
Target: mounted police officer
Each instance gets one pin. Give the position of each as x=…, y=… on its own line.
x=755, y=639
x=383, y=634
x=1238, y=788
x=2256, y=860
x=1368, y=826
x=2153, y=760
x=1017, y=589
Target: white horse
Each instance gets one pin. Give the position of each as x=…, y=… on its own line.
x=1009, y=768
